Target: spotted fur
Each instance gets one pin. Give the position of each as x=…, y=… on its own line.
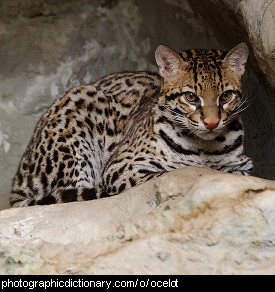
x=101, y=139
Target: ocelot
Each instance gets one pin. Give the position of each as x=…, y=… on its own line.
x=101, y=139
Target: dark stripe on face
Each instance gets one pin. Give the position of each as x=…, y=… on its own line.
x=218, y=70
x=173, y=96
x=195, y=67
x=176, y=147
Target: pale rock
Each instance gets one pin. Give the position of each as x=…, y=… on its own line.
x=189, y=221
x=259, y=18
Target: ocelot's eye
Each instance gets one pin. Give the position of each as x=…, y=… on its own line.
x=191, y=97
x=226, y=96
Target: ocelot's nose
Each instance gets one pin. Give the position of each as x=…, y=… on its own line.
x=211, y=123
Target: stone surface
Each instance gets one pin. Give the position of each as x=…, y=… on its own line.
x=50, y=46
x=259, y=18
x=190, y=221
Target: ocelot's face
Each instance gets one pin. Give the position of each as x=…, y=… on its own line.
x=203, y=95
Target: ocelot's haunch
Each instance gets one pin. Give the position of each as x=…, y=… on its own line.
x=101, y=139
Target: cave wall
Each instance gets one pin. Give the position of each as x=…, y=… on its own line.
x=49, y=46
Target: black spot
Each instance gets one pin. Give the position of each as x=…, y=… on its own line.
x=127, y=105
x=53, y=184
x=77, y=91
x=173, y=96
x=101, y=99
x=100, y=128
x=156, y=164
x=70, y=163
x=120, y=171
x=145, y=171
x=82, y=134
x=132, y=181
x=76, y=143
x=69, y=195
x=106, y=111
x=111, y=147
x=161, y=119
x=61, y=139
x=64, y=149
x=91, y=93
x=89, y=123
x=90, y=107
x=140, y=159
x=66, y=101
x=66, y=157
x=123, y=117
x=110, y=132
x=220, y=139
x=49, y=167
x=60, y=173
x=50, y=144
x=44, y=180
x=99, y=111
x=121, y=187
x=104, y=194
x=46, y=200
x=56, y=109
x=114, y=177
x=32, y=168
x=60, y=183
x=68, y=111
x=42, y=150
x=55, y=156
x=117, y=161
x=79, y=124
x=67, y=123
x=89, y=194
x=38, y=168
x=20, y=179
x=80, y=103
x=128, y=82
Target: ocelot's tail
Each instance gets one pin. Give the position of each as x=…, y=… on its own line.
x=63, y=195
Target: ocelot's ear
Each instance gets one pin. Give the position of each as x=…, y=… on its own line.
x=236, y=59
x=169, y=62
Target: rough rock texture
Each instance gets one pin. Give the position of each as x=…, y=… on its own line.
x=50, y=46
x=259, y=19
x=190, y=221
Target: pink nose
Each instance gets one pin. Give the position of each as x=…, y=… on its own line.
x=211, y=123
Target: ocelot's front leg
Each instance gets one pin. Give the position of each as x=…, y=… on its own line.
x=118, y=178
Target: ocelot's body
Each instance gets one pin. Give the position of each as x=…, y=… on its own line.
x=98, y=140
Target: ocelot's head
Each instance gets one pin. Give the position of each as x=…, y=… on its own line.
x=201, y=89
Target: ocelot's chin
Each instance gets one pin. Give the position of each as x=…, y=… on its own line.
x=208, y=135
